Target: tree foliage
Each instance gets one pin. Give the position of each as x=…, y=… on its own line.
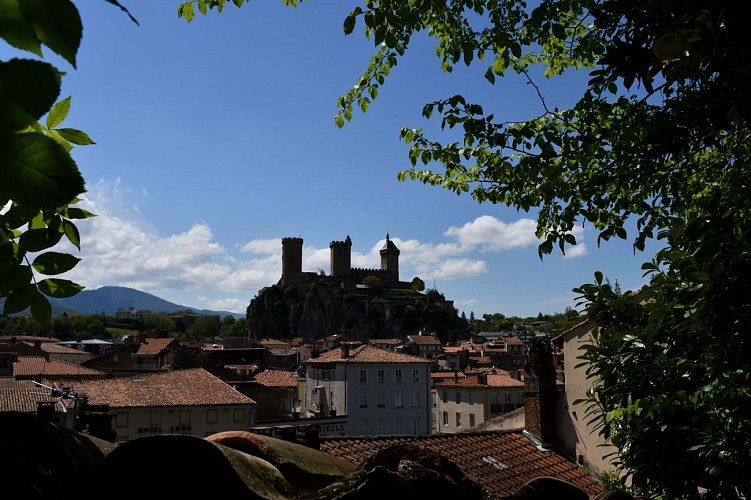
x=40, y=181
x=657, y=144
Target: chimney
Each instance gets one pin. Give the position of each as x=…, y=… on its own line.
x=345, y=351
x=540, y=392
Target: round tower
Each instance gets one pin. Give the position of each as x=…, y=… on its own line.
x=390, y=259
x=341, y=258
x=291, y=259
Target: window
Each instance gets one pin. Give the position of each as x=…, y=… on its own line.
x=381, y=376
x=399, y=426
x=363, y=375
x=445, y=395
x=458, y=419
x=381, y=399
x=397, y=399
x=326, y=374
x=471, y=419
x=470, y=400
x=363, y=425
x=494, y=399
x=363, y=399
x=155, y=418
x=416, y=425
x=458, y=396
x=184, y=417
x=521, y=398
x=416, y=398
x=381, y=426
x=398, y=374
x=507, y=397
x=212, y=416
x=415, y=375
x=445, y=418
x=239, y=416
x=121, y=419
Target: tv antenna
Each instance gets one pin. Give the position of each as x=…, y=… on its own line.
x=61, y=394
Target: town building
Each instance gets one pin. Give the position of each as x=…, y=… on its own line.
x=380, y=392
x=466, y=401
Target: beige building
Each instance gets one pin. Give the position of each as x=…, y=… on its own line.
x=467, y=401
x=192, y=402
x=575, y=436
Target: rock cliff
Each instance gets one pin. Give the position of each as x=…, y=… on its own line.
x=322, y=307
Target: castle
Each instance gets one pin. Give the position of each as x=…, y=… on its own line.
x=341, y=264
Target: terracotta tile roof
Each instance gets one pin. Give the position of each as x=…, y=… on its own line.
x=192, y=387
x=273, y=343
x=496, y=380
x=423, y=340
x=34, y=366
x=155, y=346
x=23, y=395
x=452, y=349
x=367, y=354
x=384, y=341
x=53, y=348
x=501, y=461
x=446, y=375
x=276, y=378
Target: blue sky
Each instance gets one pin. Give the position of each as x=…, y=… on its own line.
x=215, y=139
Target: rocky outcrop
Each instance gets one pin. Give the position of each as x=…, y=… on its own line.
x=321, y=308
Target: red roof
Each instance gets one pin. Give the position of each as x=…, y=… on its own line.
x=276, y=378
x=366, y=354
x=154, y=346
x=501, y=461
x=193, y=387
x=35, y=366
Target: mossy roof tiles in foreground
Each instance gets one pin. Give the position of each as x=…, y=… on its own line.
x=501, y=461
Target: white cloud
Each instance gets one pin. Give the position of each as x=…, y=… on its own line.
x=492, y=235
x=579, y=250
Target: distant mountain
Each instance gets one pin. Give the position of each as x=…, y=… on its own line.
x=108, y=299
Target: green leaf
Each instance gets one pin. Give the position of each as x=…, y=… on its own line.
x=28, y=90
x=19, y=299
x=57, y=24
x=186, y=11
x=54, y=263
x=16, y=277
x=41, y=310
x=36, y=240
x=38, y=172
x=18, y=215
x=71, y=232
x=16, y=29
x=58, y=113
x=75, y=136
x=349, y=23
x=76, y=213
x=59, y=288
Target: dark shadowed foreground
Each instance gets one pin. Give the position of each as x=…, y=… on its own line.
x=40, y=460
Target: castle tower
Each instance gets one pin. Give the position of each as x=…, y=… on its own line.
x=390, y=259
x=291, y=259
x=341, y=258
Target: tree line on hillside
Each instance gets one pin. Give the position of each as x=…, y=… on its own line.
x=184, y=327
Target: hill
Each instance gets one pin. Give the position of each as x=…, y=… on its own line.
x=108, y=299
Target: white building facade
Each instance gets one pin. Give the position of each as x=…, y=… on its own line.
x=380, y=392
